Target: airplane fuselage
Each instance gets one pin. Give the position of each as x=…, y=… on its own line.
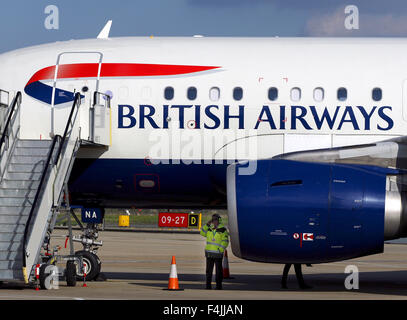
x=182, y=109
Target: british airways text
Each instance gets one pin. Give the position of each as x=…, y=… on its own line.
x=266, y=117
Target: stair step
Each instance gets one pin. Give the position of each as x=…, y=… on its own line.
x=36, y=167
x=14, y=211
x=23, y=175
x=34, y=143
x=10, y=255
x=18, y=193
x=10, y=246
x=9, y=219
x=16, y=202
x=23, y=151
x=15, y=159
x=7, y=227
x=11, y=275
x=19, y=184
x=10, y=236
x=10, y=265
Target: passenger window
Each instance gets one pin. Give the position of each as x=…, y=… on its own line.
x=377, y=94
x=295, y=94
x=237, y=93
x=191, y=93
x=214, y=94
x=169, y=93
x=273, y=94
x=342, y=94
x=318, y=94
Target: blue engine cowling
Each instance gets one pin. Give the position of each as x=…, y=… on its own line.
x=301, y=212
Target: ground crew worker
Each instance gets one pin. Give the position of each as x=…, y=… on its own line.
x=298, y=273
x=217, y=239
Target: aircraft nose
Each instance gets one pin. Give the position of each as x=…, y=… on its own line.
x=11, y=75
x=6, y=77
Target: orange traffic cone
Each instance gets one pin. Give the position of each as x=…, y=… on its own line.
x=225, y=266
x=173, y=280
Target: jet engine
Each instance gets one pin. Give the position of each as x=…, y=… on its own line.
x=304, y=212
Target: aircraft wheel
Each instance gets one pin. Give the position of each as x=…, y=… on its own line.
x=91, y=263
x=45, y=277
x=70, y=274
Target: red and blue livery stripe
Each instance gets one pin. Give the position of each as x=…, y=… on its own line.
x=36, y=89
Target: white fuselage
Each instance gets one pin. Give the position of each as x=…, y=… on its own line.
x=144, y=123
x=255, y=65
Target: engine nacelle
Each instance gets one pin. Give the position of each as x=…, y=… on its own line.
x=302, y=212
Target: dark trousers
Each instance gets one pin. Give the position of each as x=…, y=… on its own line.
x=298, y=273
x=210, y=262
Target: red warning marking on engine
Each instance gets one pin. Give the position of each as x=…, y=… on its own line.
x=308, y=237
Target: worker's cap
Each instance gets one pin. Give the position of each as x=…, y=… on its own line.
x=216, y=217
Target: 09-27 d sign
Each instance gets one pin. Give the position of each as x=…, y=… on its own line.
x=178, y=220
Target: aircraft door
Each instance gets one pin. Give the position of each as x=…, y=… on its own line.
x=101, y=119
x=75, y=72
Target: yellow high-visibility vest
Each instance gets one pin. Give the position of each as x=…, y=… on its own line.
x=217, y=239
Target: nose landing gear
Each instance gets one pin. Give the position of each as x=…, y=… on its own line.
x=91, y=262
x=89, y=240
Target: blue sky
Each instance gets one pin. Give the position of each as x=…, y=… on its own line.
x=22, y=22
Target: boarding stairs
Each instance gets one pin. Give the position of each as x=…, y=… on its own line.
x=33, y=178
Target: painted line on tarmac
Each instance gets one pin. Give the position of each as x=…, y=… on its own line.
x=140, y=230
x=401, y=266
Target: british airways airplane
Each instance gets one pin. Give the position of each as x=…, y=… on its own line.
x=301, y=139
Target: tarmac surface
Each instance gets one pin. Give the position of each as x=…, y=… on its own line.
x=137, y=266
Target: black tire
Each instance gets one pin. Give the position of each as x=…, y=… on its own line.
x=70, y=274
x=93, y=264
x=43, y=276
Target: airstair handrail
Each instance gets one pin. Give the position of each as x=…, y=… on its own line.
x=50, y=163
x=15, y=104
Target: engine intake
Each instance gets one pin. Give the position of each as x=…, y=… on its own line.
x=395, y=218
